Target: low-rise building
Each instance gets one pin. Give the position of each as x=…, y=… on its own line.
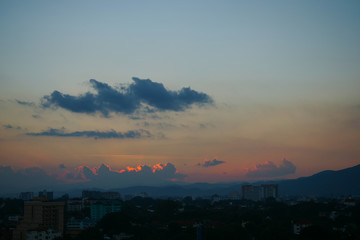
x=299, y=226
x=49, y=234
x=26, y=196
x=101, y=208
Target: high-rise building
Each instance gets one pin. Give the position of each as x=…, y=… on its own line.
x=40, y=215
x=258, y=193
x=251, y=192
x=270, y=190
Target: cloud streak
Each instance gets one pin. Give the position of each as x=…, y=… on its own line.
x=31, y=104
x=53, y=132
x=142, y=94
x=269, y=169
x=9, y=126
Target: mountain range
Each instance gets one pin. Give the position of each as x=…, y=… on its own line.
x=326, y=183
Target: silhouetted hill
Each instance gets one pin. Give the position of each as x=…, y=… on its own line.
x=326, y=183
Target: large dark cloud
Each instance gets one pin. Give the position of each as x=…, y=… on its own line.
x=35, y=179
x=269, y=169
x=142, y=94
x=29, y=179
x=211, y=163
x=139, y=175
x=140, y=133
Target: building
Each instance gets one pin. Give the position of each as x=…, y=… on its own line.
x=74, y=205
x=42, y=234
x=101, y=208
x=75, y=226
x=270, y=191
x=259, y=193
x=26, y=196
x=91, y=194
x=80, y=223
x=100, y=195
x=251, y=192
x=46, y=195
x=111, y=195
x=40, y=215
x=299, y=226
x=234, y=196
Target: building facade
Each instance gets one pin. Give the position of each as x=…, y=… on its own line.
x=26, y=196
x=40, y=215
x=101, y=208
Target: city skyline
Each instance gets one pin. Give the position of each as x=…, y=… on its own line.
x=147, y=93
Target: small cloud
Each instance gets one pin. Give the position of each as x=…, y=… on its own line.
x=211, y=163
x=269, y=169
x=36, y=116
x=206, y=125
x=53, y=132
x=62, y=166
x=9, y=126
x=30, y=104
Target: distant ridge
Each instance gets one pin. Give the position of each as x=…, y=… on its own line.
x=326, y=183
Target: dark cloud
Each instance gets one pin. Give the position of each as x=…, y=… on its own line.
x=156, y=95
x=31, y=104
x=142, y=94
x=62, y=166
x=34, y=179
x=142, y=175
x=30, y=179
x=9, y=126
x=269, y=169
x=141, y=133
x=211, y=163
x=36, y=116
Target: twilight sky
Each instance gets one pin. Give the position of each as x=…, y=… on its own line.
x=148, y=91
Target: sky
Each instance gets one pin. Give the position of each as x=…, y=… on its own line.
x=150, y=92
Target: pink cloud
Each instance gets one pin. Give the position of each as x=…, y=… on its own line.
x=269, y=169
